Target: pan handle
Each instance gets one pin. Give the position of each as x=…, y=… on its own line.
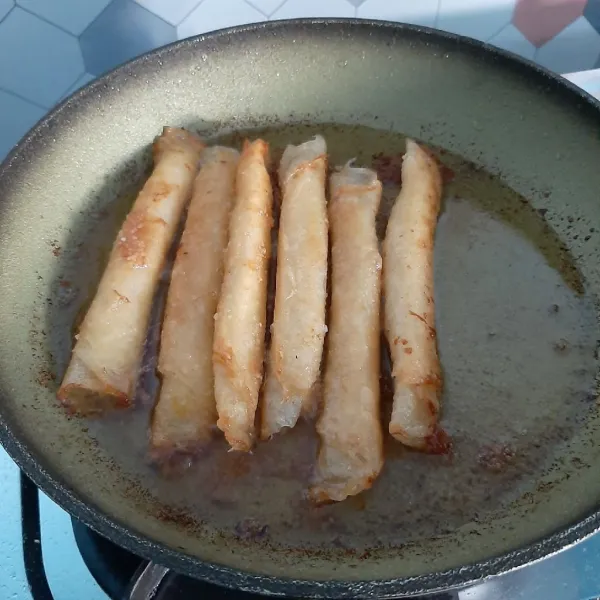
x=146, y=582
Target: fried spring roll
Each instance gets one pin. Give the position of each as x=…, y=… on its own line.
x=106, y=358
x=298, y=329
x=238, y=350
x=185, y=413
x=351, y=453
x=409, y=303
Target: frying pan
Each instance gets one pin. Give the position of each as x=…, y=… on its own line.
x=517, y=279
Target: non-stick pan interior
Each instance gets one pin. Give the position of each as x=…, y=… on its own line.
x=516, y=276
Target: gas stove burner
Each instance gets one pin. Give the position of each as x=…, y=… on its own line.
x=116, y=570
x=111, y=566
x=108, y=572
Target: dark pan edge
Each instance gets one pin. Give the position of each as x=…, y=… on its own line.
x=139, y=544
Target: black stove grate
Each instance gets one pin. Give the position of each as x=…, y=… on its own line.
x=32, y=538
x=111, y=566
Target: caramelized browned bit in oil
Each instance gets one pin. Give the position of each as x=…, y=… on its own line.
x=511, y=400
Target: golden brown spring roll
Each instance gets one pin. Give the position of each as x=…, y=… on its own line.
x=104, y=365
x=238, y=351
x=409, y=303
x=351, y=452
x=186, y=413
x=298, y=329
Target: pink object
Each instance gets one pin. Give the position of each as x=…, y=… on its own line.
x=540, y=20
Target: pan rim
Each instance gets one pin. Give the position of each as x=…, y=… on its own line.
x=141, y=545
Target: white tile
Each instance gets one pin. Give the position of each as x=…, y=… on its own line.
x=172, y=11
x=16, y=118
x=416, y=12
x=37, y=60
x=588, y=81
x=575, y=48
x=266, y=7
x=81, y=81
x=72, y=15
x=5, y=7
x=510, y=38
x=594, y=91
x=296, y=9
x=480, y=20
x=584, y=78
x=217, y=14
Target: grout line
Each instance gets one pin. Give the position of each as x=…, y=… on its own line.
x=59, y=27
x=8, y=13
x=252, y=5
x=188, y=14
x=89, y=24
x=498, y=32
x=73, y=84
x=277, y=8
x=437, y=14
x=16, y=95
x=94, y=20
x=150, y=13
x=72, y=35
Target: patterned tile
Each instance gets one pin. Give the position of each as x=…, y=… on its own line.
x=421, y=12
x=575, y=48
x=217, y=14
x=293, y=9
x=16, y=118
x=480, y=21
x=5, y=7
x=83, y=80
x=172, y=11
x=38, y=61
x=510, y=38
x=541, y=20
x=266, y=7
x=124, y=30
x=72, y=16
x=592, y=13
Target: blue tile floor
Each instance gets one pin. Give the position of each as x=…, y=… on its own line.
x=49, y=48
